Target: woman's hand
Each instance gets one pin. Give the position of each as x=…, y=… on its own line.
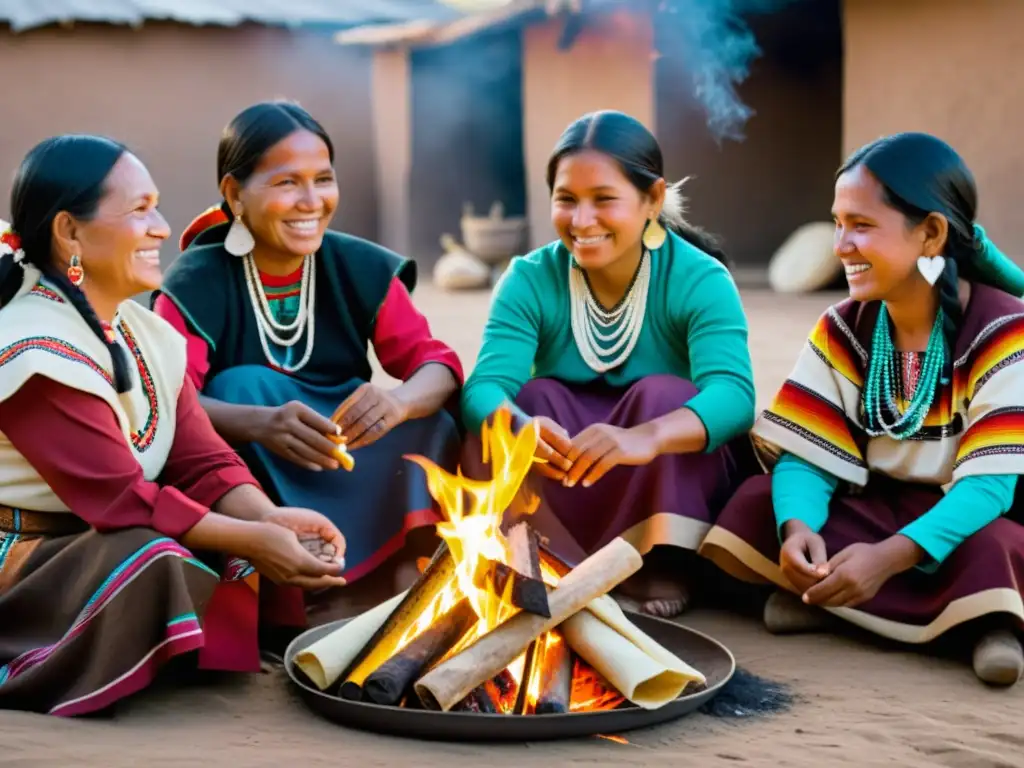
x=803, y=558
x=601, y=447
x=296, y=432
x=857, y=573
x=368, y=414
x=275, y=552
x=553, y=448
x=308, y=524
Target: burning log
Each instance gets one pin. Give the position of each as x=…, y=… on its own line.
x=449, y=682
x=479, y=701
x=385, y=641
x=519, y=583
x=392, y=679
x=513, y=587
x=555, y=670
x=525, y=557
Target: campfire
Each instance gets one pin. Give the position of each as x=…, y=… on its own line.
x=496, y=624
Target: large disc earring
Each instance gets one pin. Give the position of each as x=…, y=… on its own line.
x=76, y=275
x=239, y=240
x=931, y=268
x=654, y=235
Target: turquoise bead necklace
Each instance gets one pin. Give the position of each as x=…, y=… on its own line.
x=882, y=385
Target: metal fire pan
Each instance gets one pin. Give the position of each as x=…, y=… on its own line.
x=712, y=658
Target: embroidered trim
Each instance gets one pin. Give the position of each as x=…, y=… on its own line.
x=982, y=337
x=43, y=292
x=142, y=438
x=845, y=329
x=814, y=439
x=54, y=346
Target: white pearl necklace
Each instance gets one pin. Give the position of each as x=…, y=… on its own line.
x=591, y=321
x=268, y=326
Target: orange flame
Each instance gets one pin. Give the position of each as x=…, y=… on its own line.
x=473, y=509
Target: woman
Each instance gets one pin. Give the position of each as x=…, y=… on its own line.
x=627, y=344
x=122, y=514
x=278, y=312
x=893, y=442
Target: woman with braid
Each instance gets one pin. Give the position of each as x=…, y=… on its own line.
x=897, y=441
x=130, y=533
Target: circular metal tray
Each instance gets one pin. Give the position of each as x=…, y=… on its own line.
x=709, y=656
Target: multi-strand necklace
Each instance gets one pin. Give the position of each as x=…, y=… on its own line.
x=606, y=337
x=883, y=385
x=285, y=335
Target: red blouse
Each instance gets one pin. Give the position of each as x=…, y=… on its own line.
x=74, y=441
x=401, y=339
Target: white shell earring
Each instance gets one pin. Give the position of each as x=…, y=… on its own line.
x=239, y=240
x=931, y=268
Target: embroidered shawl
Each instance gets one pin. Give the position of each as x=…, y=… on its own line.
x=974, y=427
x=42, y=334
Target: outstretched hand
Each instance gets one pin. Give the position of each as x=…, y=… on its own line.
x=368, y=414
x=601, y=447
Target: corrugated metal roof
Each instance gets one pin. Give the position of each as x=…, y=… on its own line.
x=429, y=32
x=28, y=14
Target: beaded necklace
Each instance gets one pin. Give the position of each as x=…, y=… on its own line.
x=605, y=338
x=883, y=382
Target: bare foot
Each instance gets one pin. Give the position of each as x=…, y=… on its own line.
x=999, y=658
x=786, y=614
x=658, y=595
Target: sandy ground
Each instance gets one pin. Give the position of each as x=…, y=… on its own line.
x=858, y=703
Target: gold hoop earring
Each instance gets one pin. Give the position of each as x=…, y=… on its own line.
x=654, y=235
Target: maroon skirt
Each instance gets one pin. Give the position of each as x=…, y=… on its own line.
x=671, y=501
x=983, y=576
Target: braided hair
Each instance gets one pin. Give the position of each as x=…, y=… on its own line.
x=61, y=174
x=920, y=174
x=638, y=154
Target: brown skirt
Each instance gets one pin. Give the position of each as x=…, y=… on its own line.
x=983, y=576
x=87, y=618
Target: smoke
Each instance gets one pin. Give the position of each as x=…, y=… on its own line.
x=715, y=47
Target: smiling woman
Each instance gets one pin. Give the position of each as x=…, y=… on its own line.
x=626, y=342
x=279, y=311
x=123, y=516
x=897, y=441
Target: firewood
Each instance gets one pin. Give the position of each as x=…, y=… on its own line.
x=525, y=558
x=391, y=680
x=555, y=676
x=449, y=682
x=382, y=646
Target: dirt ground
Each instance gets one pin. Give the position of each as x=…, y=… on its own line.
x=858, y=703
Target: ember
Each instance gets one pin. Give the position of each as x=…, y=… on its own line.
x=495, y=624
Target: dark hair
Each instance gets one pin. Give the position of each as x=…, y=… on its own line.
x=921, y=174
x=254, y=130
x=634, y=148
x=63, y=173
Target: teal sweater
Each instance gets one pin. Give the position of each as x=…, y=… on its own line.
x=694, y=328
x=802, y=491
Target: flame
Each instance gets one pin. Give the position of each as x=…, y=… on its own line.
x=474, y=509
x=590, y=691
